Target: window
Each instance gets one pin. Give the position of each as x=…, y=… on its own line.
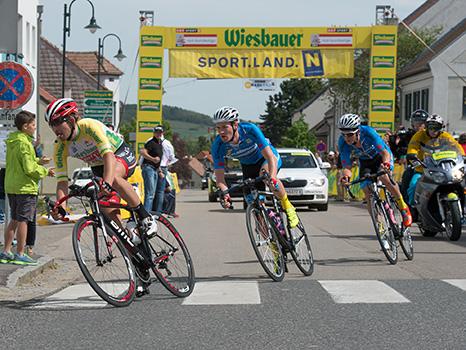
x=27, y=45
x=416, y=100
x=464, y=102
x=33, y=46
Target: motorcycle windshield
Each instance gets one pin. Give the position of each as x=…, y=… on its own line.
x=438, y=150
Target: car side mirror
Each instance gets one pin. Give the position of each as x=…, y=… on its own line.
x=325, y=165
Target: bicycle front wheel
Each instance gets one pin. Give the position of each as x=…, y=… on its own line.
x=403, y=233
x=301, y=249
x=104, y=262
x=384, y=231
x=265, y=243
x=173, y=265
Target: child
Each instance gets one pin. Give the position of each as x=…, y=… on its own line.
x=23, y=171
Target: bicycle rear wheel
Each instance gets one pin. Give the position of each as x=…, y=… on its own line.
x=403, y=233
x=265, y=243
x=104, y=262
x=173, y=265
x=301, y=251
x=384, y=231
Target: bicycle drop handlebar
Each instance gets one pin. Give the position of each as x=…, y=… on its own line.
x=371, y=177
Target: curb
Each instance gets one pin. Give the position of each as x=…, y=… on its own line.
x=26, y=274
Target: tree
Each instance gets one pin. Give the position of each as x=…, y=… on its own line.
x=298, y=136
x=279, y=107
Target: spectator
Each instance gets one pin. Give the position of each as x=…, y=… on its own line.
x=332, y=159
x=321, y=148
x=168, y=158
x=151, y=156
x=23, y=171
x=169, y=202
x=462, y=141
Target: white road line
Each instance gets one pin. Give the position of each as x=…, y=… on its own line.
x=362, y=291
x=77, y=296
x=460, y=283
x=224, y=293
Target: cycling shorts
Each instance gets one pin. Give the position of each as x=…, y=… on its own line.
x=125, y=156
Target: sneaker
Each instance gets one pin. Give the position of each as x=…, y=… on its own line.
x=6, y=258
x=292, y=217
x=23, y=260
x=407, y=218
x=149, y=226
x=29, y=251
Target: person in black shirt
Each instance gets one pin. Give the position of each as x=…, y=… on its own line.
x=152, y=153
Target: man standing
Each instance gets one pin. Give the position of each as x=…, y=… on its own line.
x=168, y=158
x=321, y=148
x=152, y=154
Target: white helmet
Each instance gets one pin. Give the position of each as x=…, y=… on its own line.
x=435, y=119
x=226, y=114
x=349, y=122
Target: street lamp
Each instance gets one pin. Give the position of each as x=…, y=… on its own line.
x=92, y=26
x=100, y=54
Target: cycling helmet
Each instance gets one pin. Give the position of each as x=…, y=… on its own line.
x=435, y=119
x=419, y=115
x=349, y=122
x=226, y=114
x=59, y=109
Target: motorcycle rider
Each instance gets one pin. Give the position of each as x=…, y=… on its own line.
x=433, y=130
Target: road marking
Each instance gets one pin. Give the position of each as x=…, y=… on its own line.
x=224, y=293
x=461, y=284
x=77, y=296
x=362, y=291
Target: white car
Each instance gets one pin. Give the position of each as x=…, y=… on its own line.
x=304, y=181
x=81, y=176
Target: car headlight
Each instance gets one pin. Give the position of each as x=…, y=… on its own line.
x=437, y=176
x=318, y=182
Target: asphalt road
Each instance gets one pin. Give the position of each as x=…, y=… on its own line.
x=354, y=299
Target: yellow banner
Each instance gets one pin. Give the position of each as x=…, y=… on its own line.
x=261, y=63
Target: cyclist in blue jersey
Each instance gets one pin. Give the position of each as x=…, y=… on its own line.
x=246, y=142
x=373, y=153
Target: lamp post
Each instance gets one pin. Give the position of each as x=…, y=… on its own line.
x=100, y=54
x=92, y=26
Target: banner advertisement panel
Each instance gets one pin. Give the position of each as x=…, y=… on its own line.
x=279, y=38
x=261, y=64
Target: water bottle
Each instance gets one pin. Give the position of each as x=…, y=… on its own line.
x=277, y=221
x=389, y=210
x=132, y=230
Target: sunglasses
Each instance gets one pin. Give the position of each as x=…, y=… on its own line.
x=434, y=127
x=349, y=134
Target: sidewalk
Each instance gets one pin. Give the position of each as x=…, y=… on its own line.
x=53, y=251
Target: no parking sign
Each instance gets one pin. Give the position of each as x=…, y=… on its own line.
x=16, y=85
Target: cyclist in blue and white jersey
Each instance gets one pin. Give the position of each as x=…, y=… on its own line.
x=373, y=153
x=246, y=142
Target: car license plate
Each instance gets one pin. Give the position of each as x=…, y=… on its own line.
x=294, y=191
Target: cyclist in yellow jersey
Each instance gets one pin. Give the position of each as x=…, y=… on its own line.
x=105, y=151
x=433, y=130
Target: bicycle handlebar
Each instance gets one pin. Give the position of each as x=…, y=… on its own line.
x=370, y=177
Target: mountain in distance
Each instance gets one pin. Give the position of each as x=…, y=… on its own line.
x=188, y=124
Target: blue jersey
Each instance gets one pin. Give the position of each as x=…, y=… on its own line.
x=372, y=145
x=248, y=150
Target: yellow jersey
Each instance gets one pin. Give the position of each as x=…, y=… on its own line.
x=422, y=138
x=92, y=141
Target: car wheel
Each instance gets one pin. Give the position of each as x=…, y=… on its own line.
x=322, y=207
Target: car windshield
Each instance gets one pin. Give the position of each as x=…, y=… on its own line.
x=232, y=164
x=297, y=160
x=84, y=174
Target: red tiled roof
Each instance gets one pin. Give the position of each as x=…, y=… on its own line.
x=45, y=95
x=419, y=11
x=204, y=155
x=88, y=62
x=421, y=62
x=197, y=167
x=77, y=79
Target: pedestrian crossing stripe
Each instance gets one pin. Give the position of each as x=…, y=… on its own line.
x=244, y=293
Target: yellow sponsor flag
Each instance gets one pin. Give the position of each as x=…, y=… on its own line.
x=310, y=63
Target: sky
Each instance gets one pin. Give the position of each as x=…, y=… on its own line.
x=205, y=96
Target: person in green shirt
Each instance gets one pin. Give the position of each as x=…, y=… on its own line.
x=23, y=171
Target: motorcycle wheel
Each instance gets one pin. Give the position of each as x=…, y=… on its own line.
x=453, y=221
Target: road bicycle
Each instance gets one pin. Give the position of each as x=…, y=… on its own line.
x=271, y=236
x=113, y=264
x=387, y=218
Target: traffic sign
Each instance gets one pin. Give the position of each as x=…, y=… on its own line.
x=98, y=104
x=16, y=85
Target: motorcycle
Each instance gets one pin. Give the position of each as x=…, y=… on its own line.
x=439, y=195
